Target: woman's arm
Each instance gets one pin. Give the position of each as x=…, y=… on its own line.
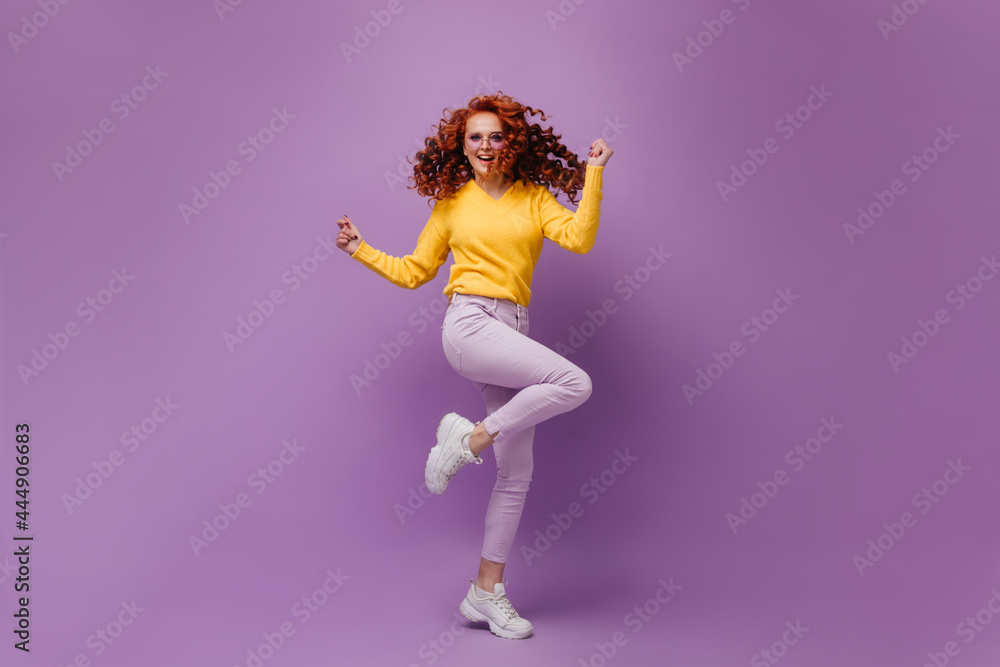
x=415, y=269
x=575, y=232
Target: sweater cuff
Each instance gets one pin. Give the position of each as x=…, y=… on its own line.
x=365, y=253
x=594, y=176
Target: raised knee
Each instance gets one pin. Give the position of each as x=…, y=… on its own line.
x=577, y=385
x=582, y=386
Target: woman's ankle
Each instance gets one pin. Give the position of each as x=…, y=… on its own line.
x=480, y=439
x=486, y=586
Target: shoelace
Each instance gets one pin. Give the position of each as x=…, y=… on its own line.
x=457, y=465
x=506, y=607
x=504, y=603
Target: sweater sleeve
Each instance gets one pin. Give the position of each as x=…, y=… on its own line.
x=575, y=232
x=415, y=269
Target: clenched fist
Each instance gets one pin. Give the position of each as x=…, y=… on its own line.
x=599, y=153
x=348, y=239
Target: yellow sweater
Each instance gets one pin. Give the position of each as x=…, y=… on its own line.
x=496, y=242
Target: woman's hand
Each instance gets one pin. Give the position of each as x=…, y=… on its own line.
x=348, y=239
x=599, y=153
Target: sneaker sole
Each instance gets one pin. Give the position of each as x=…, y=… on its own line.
x=466, y=610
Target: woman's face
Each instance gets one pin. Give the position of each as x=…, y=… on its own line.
x=483, y=139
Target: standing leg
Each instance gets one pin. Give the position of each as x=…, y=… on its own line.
x=514, y=468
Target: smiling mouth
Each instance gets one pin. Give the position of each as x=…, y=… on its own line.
x=486, y=159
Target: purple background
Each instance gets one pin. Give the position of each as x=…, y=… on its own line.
x=337, y=504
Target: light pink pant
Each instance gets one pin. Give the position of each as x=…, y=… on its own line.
x=523, y=383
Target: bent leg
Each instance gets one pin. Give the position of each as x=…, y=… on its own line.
x=492, y=353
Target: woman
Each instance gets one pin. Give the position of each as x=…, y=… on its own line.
x=487, y=170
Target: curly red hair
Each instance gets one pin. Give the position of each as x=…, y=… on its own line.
x=442, y=168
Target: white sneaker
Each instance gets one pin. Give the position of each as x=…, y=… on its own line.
x=451, y=453
x=496, y=610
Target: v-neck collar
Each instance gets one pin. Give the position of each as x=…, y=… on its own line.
x=488, y=194
x=487, y=203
